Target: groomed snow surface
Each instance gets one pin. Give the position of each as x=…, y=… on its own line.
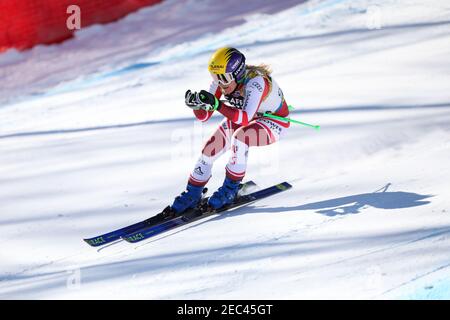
x=94, y=135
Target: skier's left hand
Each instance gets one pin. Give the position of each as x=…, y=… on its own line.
x=192, y=100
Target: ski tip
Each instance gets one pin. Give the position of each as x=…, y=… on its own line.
x=95, y=242
x=284, y=185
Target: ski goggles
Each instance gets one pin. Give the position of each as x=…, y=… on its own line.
x=223, y=79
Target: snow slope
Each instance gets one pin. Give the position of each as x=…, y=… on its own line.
x=94, y=135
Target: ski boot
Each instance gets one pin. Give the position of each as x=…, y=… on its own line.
x=225, y=194
x=187, y=199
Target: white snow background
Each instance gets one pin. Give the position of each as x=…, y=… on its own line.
x=94, y=135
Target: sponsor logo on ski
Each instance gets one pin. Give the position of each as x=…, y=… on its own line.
x=96, y=241
x=135, y=237
x=281, y=186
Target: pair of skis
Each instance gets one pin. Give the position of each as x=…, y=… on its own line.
x=163, y=222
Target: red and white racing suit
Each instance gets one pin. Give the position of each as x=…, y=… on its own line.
x=244, y=126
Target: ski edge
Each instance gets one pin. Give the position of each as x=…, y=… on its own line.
x=117, y=234
x=146, y=233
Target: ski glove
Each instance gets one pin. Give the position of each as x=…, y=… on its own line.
x=192, y=100
x=203, y=100
x=210, y=100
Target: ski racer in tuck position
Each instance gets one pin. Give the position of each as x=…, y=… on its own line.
x=249, y=92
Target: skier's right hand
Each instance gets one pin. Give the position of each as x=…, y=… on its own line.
x=193, y=101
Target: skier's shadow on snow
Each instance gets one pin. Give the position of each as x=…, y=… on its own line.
x=381, y=199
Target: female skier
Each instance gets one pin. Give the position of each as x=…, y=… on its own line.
x=250, y=92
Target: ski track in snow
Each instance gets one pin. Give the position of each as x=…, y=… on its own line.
x=89, y=149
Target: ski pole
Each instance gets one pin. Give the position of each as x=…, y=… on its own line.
x=269, y=115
